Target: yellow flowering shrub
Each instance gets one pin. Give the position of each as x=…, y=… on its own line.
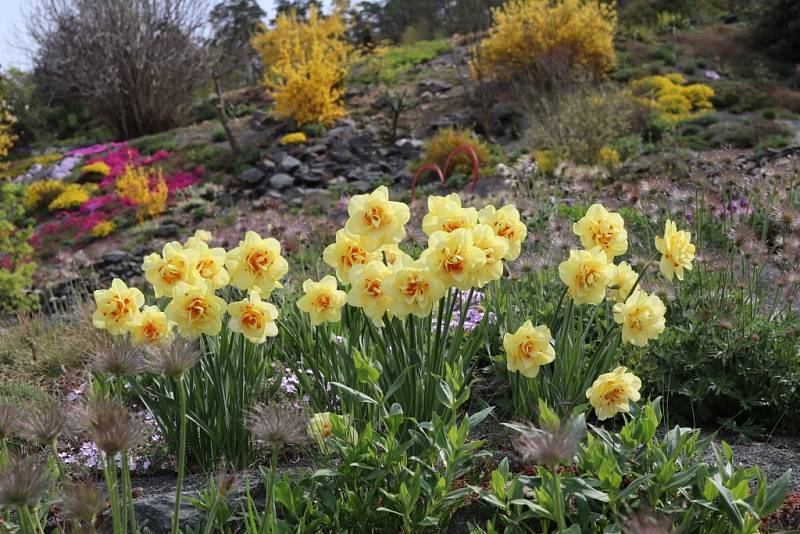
x=547, y=160
x=70, y=198
x=42, y=193
x=306, y=62
x=608, y=158
x=293, y=138
x=446, y=140
x=98, y=167
x=545, y=39
x=103, y=229
x=135, y=185
x=7, y=138
x=671, y=97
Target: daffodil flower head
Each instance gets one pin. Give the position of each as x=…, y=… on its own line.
x=586, y=274
x=256, y=264
x=445, y=214
x=173, y=266
x=196, y=310
x=394, y=256
x=677, y=251
x=367, y=292
x=322, y=301
x=454, y=258
x=151, y=328
x=622, y=281
x=348, y=251
x=210, y=265
x=528, y=348
x=378, y=220
x=414, y=289
x=604, y=229
x=494, y=248
x=641, y=317
x=200, y=236
x=506, y=223
x=117, y=307
x=254, y=318
x=613, y=392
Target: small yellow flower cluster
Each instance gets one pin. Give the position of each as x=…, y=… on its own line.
x=669, y=96
x=98, y=167
x=40, y=194
x=103, y=229
x=190, y=273
x=466, y=248
x=135, y=186
x=293, y=138
x=70, y=198
x=608, y=158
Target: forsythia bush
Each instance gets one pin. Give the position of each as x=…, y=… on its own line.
x=103, y=229
x=6, y=137
x=42, y=193
x=545, y=39
x=671, y=97
x=445, y=141
x=98, y=167
x=70, y=198
x=136, y=186
x=306, y=64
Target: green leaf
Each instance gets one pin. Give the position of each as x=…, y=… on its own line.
x=776, y=493
x=538, y=511
x=624, y=494
x=728, y=504
x=361, y=397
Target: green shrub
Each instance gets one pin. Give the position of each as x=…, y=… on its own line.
x=389, y=66
x=666, y=54
x=218, y=135
x=16, y=272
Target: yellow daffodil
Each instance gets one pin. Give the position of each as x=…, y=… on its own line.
x=413, y=289
x=604, y=229
x=612, y=392
x=200, y=236
x=173, y=266
x=196, y=310
x=395, y=257
x=320, y=428
x=151, y=328
x=586, y=274
x=622, y=281
x=254, y=318
x=445, y=214
x=347, y=252
x=528, y=348
x=641, y=317
x=454, y=258
x=506, y=223
x=117, y=307
x=322, y=301
x=366, y=291
x=677, y=251
x=494, y=249
x=210, y=265
x=257, y=264
x=378, y=220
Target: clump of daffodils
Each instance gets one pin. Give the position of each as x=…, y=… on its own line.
x=191, y=274
x=465, y=251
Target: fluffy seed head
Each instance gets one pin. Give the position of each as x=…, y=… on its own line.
x=9, y=419
x=82, y=502
x=176, y=358
x=44, y=424
x=112, y=428
x=116, y=356
x=552, y=444
x=22, y=483
x=277, y=425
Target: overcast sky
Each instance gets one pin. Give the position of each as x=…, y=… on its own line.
x=12, y=31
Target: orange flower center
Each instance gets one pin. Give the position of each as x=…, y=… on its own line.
x=151, y=331
x=252, y=319
x=375, y=217
x=503, y=229
x=373, y=287
x=326, y=430
x=614, y=394
x=206, y=268
x=451, y=226
x=588, y=277
x=454, y=263
x=197, y=308
x=118, y=307
x=354, y=256
x=324, y=302
x=258, y=260
x=172, y=272
x=415, y=287
x=603, y=236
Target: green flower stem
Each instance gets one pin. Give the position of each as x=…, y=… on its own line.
x=110, y=472
x=212, y=514
x=181, y=453
x=3, y=452
x=558, y=500
x=269, y=509
x=128, y=493
x=59, y=462
x=27, y=526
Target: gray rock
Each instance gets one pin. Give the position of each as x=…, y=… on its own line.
x=362, y=186
x=433, y=86
x=281, y=181
x=251, y=176
x=115, y=256
x=289, y=164
x=341, y=156
x=316, y=149
x=360, y=143
x=409, y=148
x=166, y=230
x=268, y=165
